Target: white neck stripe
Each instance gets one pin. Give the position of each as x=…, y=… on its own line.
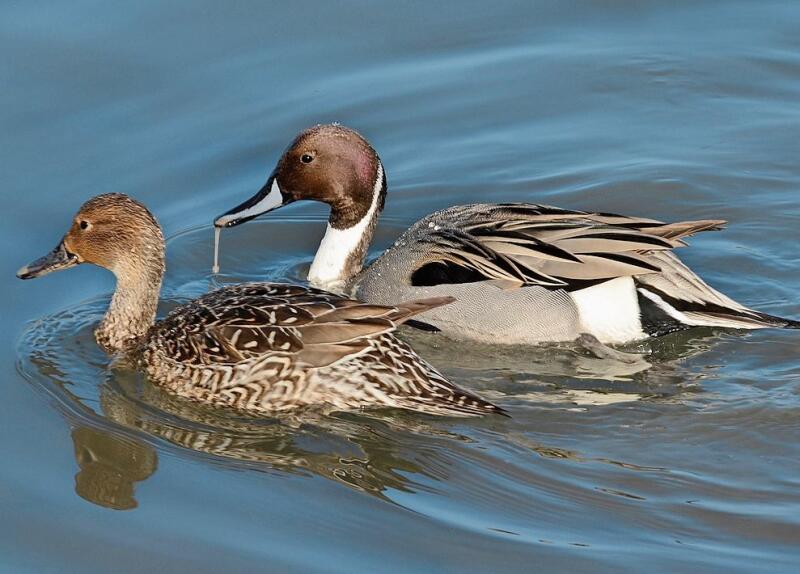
x=327, y=270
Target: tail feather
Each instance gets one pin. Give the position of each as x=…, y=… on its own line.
x=740, y=320
x=775, y=321
x=710, y=314
x=459, y=403
x=678, y=230
x=446, y=398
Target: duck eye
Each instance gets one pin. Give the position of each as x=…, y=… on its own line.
x=306, y=158
x=84, y=224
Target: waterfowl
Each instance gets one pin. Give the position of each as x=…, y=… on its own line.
x=521, y=273
x=257, y=347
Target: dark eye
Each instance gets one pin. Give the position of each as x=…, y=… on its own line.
x=84, y=224
x=306, y=158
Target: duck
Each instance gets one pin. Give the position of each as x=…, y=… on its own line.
x=521, y=273
x=259, y=348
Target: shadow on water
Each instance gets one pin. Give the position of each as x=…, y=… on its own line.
x=119, y=420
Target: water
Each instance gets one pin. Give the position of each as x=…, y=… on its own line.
x=684, y=459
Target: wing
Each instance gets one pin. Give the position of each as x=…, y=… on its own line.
x=516, y=245
x=244, y=322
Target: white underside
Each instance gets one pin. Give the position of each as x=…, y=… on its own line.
x=327, y=269
x=610, y=311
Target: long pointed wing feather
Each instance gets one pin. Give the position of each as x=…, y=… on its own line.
x=528, y=244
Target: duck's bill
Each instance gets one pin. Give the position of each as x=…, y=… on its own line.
x=58, y=259
x=269, y=198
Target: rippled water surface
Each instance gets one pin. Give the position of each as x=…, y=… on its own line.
x=681, y=457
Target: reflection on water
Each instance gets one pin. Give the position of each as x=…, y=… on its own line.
x=350, y=449
x=110, y=467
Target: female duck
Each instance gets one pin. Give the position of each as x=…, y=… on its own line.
x=259, y=347
x=521, y=273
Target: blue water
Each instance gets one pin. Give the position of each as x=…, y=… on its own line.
x=686, y=460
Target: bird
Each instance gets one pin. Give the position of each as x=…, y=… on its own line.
x=521, y=273
x=260, y=348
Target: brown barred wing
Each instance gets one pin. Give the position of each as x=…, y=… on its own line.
x=244, y=322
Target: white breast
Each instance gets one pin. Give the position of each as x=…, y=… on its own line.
x=610, y=311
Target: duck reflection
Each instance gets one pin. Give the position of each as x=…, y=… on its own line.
x=582, y=372
x=359, y=450
x=110, y=466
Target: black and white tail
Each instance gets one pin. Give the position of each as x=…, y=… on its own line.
x=676, y=298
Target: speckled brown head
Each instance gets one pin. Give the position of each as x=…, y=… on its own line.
x=328, y=163
x=110, y=230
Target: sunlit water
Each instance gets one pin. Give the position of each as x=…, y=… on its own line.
x=680, y=454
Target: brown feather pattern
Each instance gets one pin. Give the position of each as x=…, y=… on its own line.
x=266, y=347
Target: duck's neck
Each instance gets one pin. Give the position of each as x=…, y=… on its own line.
x=133, y=307
x=341, y=253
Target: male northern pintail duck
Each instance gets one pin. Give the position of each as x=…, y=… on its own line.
x=257, y=347
x=521, y=273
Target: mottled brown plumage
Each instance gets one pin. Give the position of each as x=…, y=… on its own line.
x=265, y=347
x=257, y=347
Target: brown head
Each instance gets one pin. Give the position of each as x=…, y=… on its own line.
x=328, y=163
x=112, y=231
